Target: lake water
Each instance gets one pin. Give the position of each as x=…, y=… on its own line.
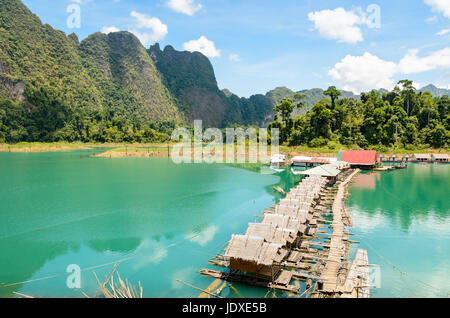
x=165, y=221
x=402, y=218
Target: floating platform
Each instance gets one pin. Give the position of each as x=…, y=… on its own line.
x=294, y=242
x=282, y=282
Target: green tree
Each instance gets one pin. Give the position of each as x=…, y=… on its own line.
x=320, y=121
x=334, y=93
x=408, y=90
x=285, y=109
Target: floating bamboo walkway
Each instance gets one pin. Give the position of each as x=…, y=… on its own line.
x=296, y=241
x=331, y=276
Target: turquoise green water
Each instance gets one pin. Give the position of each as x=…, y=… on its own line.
x=402, y=218
x=168, y=220
x=165, y=221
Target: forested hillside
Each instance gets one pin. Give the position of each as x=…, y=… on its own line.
x=53, y=88
x=402, y=117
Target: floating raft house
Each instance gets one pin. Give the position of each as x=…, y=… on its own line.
x=292, y=242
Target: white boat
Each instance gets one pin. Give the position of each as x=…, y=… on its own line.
x=277, y=160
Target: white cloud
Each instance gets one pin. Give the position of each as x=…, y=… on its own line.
x=443, y=32
x=202, y=45
x=109, y=29
x=338, y=24
x=204, y=237
x=440, y=5
x=158, y=29
x=234, y=58
x=153, y=253
x=188, y=7
x=412, y=64
x=361, y=73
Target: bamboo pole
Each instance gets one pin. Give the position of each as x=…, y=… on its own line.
x=202, y=290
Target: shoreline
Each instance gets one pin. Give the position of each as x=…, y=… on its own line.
x=164, y=149
x=63, y=147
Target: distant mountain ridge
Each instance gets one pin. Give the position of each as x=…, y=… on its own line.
x=435, y=91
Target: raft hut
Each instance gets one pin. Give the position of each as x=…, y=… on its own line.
x=309, y=162
x=440, y=158
x=421, y=157
x=359, y=159
x=328, y=171
x=254, y=255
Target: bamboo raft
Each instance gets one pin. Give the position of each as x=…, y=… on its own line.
x=290, y=243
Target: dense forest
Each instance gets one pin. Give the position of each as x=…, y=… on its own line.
x=54, y=88
x=402, y=117
x=109, y=88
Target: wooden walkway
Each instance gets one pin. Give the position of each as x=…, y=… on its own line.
x=317, y=255
x=338, y=246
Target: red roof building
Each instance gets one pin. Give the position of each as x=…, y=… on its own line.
x=359, y=157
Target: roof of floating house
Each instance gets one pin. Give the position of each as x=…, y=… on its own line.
x=271, y=253
x=441, y=156
x=244, y=247
x=323, y=171
x=320, y=160
x=422, y=156
x=284, y=221
x=294, y=212
x=358, y=157
x=271, y=233
x=254, y=249
x=266, y=231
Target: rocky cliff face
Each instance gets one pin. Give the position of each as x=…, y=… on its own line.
x=190, y=78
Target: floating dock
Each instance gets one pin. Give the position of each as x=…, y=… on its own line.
x=296, y=241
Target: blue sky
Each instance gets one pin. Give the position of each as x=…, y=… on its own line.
x=257, y=45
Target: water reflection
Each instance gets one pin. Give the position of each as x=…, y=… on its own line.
x=366, y=180
x=403, y=196
x=402, y=221
x=204, y=237
x=63, y=209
